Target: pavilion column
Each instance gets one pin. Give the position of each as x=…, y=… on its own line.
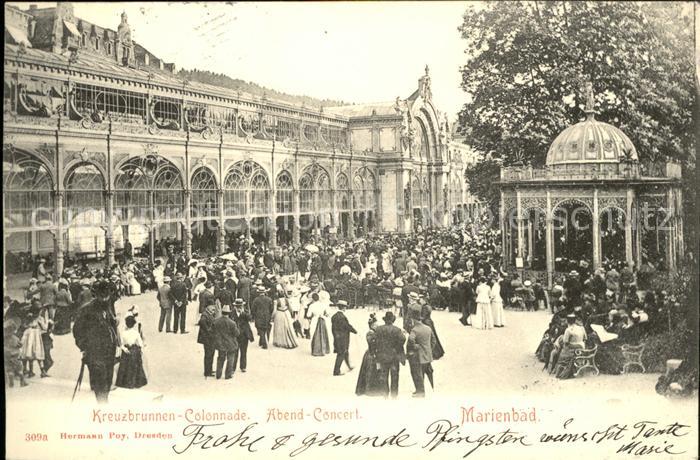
x=596, y=232
x=247, y=228
x=670, y=231
x=109, y=236
x=549, y=241
x=521, y=242
x=505, y=254
x=58, y=235
x=295, y=224
x=679, y=225
x=222, y=224
x=628, y=229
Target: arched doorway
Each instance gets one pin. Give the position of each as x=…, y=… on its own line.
x=28, y=209
x=148, y=205
x=204, y=211
x=285, y=207
x=247, y=196
x=612, y=235
x=534, y=233
x=314, y=201
x=573, y=235
x=342, y=199
x=85, y=212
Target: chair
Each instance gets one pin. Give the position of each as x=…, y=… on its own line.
x=585, y=360
x=633, y=357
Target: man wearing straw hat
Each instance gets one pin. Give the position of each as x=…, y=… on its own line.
x=166, y=305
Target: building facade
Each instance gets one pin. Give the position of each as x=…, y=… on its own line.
x=102, y=142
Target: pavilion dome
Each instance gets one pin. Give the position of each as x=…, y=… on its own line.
x=590, y=141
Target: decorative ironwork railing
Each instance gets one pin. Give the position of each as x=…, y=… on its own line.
x=622, y=170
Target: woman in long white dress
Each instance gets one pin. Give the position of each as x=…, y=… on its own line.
x=158, y=273
x=497, y=303
x=134, y=286
x=483, y=319
x=318, y=312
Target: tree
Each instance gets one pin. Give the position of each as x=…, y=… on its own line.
x=528, y=62
x=482, y=178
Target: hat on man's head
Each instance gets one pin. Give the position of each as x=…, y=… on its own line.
x=573, y=273
x=413, y=295
x=341, y=304
x=167, y=279
x=238, y=302
x=389, y=317
x=226, y=308
x=527, y=283
x=102, y=288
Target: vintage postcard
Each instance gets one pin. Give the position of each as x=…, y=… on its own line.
x=352, y=230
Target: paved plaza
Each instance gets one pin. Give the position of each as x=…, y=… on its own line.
x=495, y=362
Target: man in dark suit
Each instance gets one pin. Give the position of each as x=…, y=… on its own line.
x=242, y=318
x=390, y=353
x=226, y=338
x=206, y=297
x=261, y=310
x=207, y=337
x=244, y=285
x=95, y=333
x=178, y=296
x=341, y=329
x=421, y=342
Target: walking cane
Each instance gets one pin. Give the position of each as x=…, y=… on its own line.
x=80, y=379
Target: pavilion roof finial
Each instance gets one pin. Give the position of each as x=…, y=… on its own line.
x=590, y=101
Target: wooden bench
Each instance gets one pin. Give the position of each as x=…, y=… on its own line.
x=633, y=357
x=585, y=360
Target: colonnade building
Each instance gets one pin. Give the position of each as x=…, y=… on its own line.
x=103, y=142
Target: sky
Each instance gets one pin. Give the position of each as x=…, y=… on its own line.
x=351, y=51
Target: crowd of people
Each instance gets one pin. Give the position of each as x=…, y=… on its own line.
x=297, y=295
x=602, y=312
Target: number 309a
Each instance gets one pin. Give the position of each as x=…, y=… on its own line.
x=34, y=437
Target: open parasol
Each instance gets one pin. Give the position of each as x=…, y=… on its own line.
x=229, y=256
x=311, y=248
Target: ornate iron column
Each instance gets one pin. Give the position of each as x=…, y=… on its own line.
x=549, y=240
x=58, y=235
x=187, y=235
x=222, y=223
x=109, y=231
x=596, y=232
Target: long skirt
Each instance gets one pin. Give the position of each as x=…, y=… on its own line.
x=564, y=367
x=497, y=314
x=32, y=345
x=368, y=382
x=62, y=320
x=283, y=331
x=483, y=319
x=319, y=341
x=131, y=373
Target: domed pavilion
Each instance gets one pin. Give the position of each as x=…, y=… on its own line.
x=592, y=203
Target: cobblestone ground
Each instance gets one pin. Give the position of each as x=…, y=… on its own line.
x=484, y=363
